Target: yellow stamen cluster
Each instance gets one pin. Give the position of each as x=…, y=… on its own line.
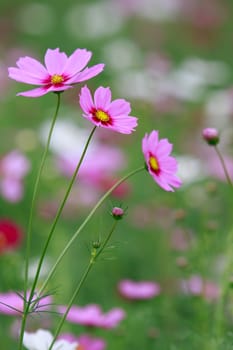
x=102, y=116
x=154, y=163
x=56, y=79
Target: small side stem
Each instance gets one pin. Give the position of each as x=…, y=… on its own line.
x=75, y=235
x=223, y=165
x=94, y=256
x=29, y=229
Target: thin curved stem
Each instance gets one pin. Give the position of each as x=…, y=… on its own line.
x=60, y=211
x=223, y=165
x=29, y=229
x=75, y=235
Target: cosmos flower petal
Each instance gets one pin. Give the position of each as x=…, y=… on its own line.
x=23, y=77
x=164, y=148
x=124, y=125
x=76, y=62
x=87, y=73
x=32, y=67
x=119, y=107
x=85, y=100
x=55, y=61
x=102, y=98
x=34, y=92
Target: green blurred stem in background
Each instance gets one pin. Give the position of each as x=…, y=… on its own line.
x=29, y=230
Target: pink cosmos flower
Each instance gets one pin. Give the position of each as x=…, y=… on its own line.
x=85, y=341
x=159, y=163
x=138, y=290
x=10, y=235
x=113, y=115
x=13, y=167
x=92, y=316
x=59, y=73
x=12, y=303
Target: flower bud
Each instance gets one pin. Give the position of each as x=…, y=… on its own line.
x=211, y=136
x=117, y=213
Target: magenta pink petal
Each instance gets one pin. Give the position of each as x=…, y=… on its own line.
x=33, y=67
x=55, y=61
x=119, y=107
x=102, y=98
x=23, y=77
x=34, y=92
x=86, y=74
x=76, y=62
x=85, y=100
x=164, y=148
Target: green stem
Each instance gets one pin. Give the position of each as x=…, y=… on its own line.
x=60, y=211
x=219, y=314
x=75, y=235
x=223, y=165
x=107, y=239
x=29, y=230
x=94, y=256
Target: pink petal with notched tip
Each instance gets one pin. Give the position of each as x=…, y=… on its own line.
x=76, y=62
x=55, y=61
x=102, y=98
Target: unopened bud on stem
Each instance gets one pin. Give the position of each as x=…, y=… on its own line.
x=211, y=136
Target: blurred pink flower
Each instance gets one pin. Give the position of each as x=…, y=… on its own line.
x=13, y=167
x=107, y=160
x=85, y=341
x=92, y=316
x=12, y=303
x=159, y=163
x=59, y=73
x=196, y=286
x=138, y=290
x=10, y=235
x=113, y=115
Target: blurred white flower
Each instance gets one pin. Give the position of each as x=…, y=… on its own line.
x=41, y=340
x=190, y=169
x=93, y=20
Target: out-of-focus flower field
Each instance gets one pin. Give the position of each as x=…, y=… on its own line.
x=164, y=281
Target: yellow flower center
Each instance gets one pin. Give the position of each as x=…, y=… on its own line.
x=102, y=116
x=154, y=163
x=3, y=241
x=57, y=79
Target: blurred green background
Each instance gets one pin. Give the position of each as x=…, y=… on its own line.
x=173, y=61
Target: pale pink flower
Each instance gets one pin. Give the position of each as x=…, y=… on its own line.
x=92, y=316
x=101, y=111
x=59, y=73
x=138, y=290
x=159, y=163
x=14, y=166
x=196, y=286
x=12, y=303
x=85, y=341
